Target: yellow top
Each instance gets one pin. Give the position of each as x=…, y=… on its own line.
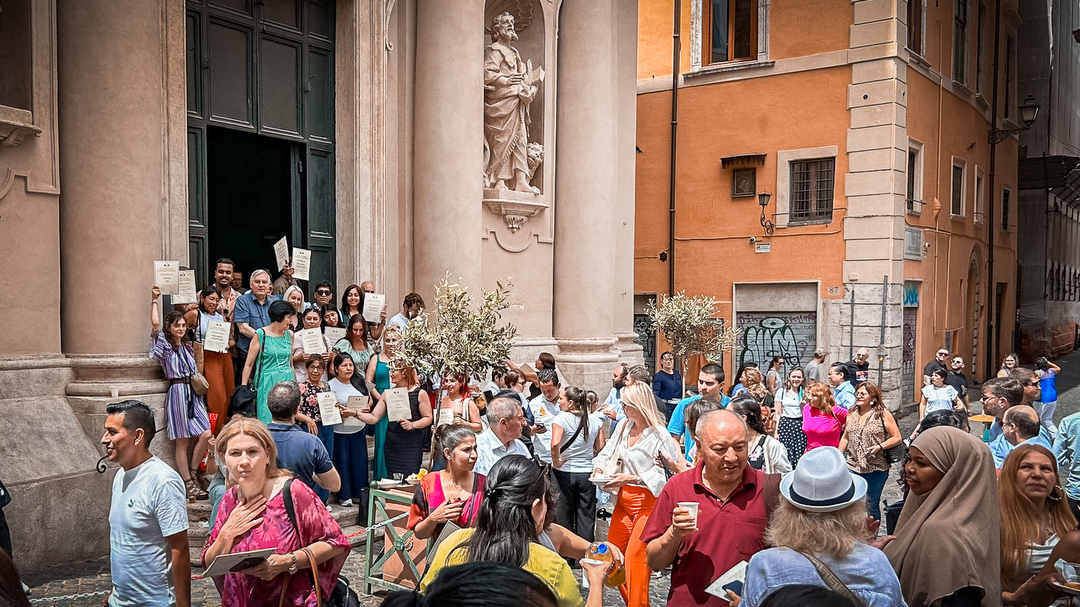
x=543, y=563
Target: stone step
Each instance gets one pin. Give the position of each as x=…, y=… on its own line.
x=199, y=527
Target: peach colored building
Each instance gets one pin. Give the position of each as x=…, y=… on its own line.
x=867, y=124
x=141, y=130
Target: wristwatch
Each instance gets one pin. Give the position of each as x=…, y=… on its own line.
x=292, y=563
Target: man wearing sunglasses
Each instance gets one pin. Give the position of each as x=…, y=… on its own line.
x=934, y=365
x=324, y=293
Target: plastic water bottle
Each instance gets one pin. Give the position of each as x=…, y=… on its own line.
x=599, y=552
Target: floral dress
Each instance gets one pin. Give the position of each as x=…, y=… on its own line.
x=277, y=531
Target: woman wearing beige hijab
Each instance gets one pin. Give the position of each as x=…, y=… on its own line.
x=947, y=547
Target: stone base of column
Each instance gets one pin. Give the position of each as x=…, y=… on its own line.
x=588, y=363
x=630, y=351
x=56, y=492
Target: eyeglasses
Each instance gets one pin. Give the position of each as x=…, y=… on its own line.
x=1031, y=383
x=942, y=353
x=985, y=398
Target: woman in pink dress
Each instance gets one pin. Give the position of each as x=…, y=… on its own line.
x=823, y=419
x=253, y=516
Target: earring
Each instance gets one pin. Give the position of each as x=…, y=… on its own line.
x=1056, y=498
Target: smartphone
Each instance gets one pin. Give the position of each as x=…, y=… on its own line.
x=663, y=462
x=735, y=587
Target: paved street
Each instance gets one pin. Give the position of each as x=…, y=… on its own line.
x=86, y=584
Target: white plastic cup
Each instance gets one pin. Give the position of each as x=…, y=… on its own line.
x=691, y=508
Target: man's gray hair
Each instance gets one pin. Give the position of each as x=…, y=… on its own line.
x=1026, y=420
x=283, y=400
x=505, y=405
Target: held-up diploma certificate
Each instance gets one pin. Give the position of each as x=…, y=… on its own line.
x=373, y=305
x=397, y=404
x=185, y=292
x=446, y=416
x=312, y=341
x=217, y=336
x=301, y=263
x=167, y=276
x=334, y=334
x=236, y=561
x=328, y=410
x=281, y=252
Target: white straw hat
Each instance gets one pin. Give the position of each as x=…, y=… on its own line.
x=822, y=482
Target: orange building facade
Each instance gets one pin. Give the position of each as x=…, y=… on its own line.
x=866, y=123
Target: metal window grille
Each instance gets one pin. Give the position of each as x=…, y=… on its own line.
x=812, y=189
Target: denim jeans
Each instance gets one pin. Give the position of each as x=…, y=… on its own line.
x=875, y=483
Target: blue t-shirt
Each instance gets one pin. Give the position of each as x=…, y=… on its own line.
x=1048, y=386
x=667, y=387
x=677, y=424
x=301, y=453
x=148, y=505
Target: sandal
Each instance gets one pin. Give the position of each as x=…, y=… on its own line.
x=194, y=491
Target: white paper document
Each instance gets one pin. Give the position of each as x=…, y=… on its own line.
x=446, y=416
x=167, y=276
x=735, y=574
x=334, y=334
x=328, y=410
x=217, y=336
x=301, y=263
x=312, y=341
x=186, y=292
x=281, y=252
x=373, y=305
x=397, y=404
x=236, y=561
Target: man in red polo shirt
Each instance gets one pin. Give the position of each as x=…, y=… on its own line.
x=732, y=513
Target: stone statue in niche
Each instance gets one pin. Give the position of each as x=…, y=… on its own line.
x=535, y=159
x=510, y=85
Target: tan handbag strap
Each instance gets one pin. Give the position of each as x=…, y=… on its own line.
x=832, y=580
x=314, y=574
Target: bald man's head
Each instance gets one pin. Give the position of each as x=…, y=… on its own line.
x=1025, y=420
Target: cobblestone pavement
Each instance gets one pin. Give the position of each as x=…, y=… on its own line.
x=84, y=585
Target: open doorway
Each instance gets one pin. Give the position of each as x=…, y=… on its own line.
x=254, y=196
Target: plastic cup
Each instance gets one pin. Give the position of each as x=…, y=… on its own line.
x=691, y=508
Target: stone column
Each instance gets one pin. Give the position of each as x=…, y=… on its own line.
x=585, y=194
x=114, y=146
x=626, y=101
x=448, y=148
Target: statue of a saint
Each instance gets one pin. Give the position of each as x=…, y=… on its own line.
x=509, y=87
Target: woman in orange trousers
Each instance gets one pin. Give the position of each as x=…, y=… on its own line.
x=630, y=459
x=216, y=366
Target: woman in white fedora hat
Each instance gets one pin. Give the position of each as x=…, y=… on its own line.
x=820, y=534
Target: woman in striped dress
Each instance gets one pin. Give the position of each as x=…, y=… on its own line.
x=185, y=411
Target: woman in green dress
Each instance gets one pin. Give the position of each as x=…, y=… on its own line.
x=378, y=373
x=271, y=350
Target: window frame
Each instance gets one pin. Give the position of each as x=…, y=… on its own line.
x=957, y=163
x=814, y=211
x=915, y=12
x=784, y=158
x=980, y=195
x=981, y=26
x=706, y=32
x=1006, y=203
x=913, y=178
x=961, y=21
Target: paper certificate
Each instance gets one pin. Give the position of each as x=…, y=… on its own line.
x=373, y=305
x=328, y=410
x=301, y=263
x=312, y=341
x=281, y=252
x=236, y=561
x=397, y=404
x=446, y=416
x=167, y=276
x=334, y=334
x=217, y=336
x=185, y=292
x=358, y=403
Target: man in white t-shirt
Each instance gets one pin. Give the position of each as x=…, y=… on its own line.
x=148, y=544
x=545, y=408
x=410, y=309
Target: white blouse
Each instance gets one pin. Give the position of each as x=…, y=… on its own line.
x=640, y=459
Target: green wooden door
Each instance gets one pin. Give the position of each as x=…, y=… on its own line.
x=265, y=67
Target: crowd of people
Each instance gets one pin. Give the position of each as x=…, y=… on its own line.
x=768, y=493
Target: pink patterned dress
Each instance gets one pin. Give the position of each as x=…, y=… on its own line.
x=277, y=531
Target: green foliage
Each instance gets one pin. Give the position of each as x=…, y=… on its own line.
x=457, y=338
x=688, y=325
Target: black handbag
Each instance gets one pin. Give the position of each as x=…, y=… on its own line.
x=892, y=454
x=242, y=402
x=343, y=595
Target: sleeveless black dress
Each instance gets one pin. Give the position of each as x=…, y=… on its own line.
x=404, y=449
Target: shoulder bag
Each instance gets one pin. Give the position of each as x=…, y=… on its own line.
x=343, y=594
x=892, y=454
x=831, y=580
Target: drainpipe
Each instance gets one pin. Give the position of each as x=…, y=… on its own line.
x=676, y=45
x=991, y=286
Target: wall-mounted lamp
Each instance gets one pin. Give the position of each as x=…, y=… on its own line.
x=763, y=200
x=1029, y=111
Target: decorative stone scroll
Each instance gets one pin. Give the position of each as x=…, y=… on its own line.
x=515, y=207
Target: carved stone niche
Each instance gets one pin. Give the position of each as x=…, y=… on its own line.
x=515, y=207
